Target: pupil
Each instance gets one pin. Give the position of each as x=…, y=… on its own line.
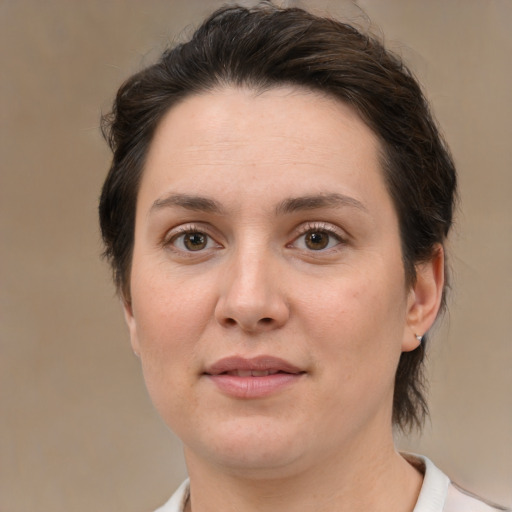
x=317, y=240
x=195, y=241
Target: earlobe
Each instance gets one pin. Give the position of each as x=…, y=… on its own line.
x=132, y=326
x=424, y=299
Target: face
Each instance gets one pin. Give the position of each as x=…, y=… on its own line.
x=269, y=306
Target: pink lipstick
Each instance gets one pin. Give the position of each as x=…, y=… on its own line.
x=256, y=377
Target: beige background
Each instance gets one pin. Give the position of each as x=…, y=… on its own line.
x=77, y=431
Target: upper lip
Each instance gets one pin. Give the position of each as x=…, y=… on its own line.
x=259, y=363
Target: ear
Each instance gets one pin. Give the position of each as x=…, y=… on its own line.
x=424, y=299
x=132, y=326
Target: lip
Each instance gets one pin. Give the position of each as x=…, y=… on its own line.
x=256, y=377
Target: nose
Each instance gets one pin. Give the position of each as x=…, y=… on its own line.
x=251, y=296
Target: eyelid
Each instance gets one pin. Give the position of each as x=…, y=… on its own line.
x=322, y=226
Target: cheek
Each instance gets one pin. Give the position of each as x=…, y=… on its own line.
x=358, y=348
x=169, y=327
x=169, y=305
x=358, y=321
x=171, y=316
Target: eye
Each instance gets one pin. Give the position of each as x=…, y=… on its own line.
x=192, y=241
x=316, y=238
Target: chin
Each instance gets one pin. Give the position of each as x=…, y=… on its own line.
x=252, y=445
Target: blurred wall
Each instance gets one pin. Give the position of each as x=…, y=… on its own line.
x=77, y=431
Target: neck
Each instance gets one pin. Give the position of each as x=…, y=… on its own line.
x=357, y=480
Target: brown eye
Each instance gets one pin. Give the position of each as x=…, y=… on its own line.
x=195, y=241
x=317, y=240
x=191, y=240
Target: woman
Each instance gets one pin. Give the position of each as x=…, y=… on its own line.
x=275, y=216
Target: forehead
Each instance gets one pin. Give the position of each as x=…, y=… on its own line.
x=231, y=113
x=287, y=132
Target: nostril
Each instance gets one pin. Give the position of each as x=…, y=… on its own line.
x=231, y=322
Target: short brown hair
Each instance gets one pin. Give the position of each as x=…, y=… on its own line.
x=265, y=47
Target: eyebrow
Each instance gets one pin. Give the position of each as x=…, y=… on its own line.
x=189, y=202
x=315, y=202
x=287, y=206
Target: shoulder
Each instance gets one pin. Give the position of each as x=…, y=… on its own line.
x=460, y=500
x=439, y=494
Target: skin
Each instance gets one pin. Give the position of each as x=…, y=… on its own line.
x=342, y=314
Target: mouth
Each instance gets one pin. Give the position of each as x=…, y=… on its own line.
x=252, y=373
x=260, y=366
x=257, y=377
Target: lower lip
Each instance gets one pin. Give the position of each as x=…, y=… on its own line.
x=254, y=387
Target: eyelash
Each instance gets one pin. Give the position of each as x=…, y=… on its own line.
x=309, y=228
x=190, y=229
x=320, y=227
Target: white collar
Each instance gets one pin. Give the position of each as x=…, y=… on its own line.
x=434, y=488
x=431, y=499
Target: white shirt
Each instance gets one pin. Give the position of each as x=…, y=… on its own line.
x=438, y=494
